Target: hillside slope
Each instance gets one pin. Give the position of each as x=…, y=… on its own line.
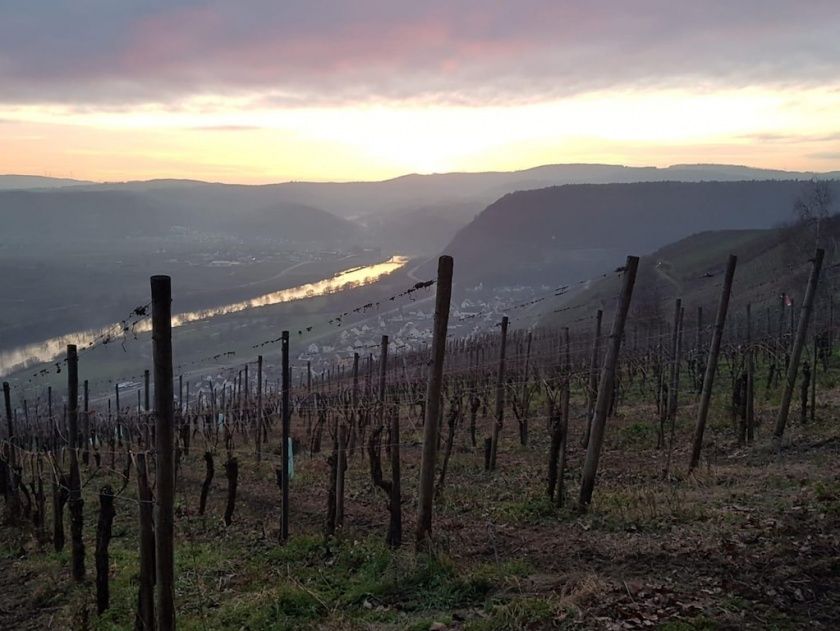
x=771, y=263
x=560, y=234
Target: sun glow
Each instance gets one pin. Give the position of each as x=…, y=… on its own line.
x=237, y=139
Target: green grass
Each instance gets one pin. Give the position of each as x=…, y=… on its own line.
x=519, y=613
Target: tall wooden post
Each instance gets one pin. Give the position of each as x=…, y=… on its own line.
x=749, y=421
x=674, y=388
x=75, y=499
x=145, y=594
x=433, y=392
x=395, y=523
x=147, y=433
x=605, y=387
x=712, y=361
x=592, y=389
x=119, y=411
x=799, y=342
x=84, y=439
x=284, y=449
x=259, y=416
x=11, y=470
x=500, y=396
x=165, y=444
x=7, y=398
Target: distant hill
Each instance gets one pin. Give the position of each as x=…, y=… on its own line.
x=414, y=213
x=103, y=214
x=18, y=182
x=564, y=233
x=408, y=193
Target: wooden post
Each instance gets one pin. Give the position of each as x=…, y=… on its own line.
x=75, y=499
x=103, y=539
x=147, y=429
x=750, y=369
x=11, y=483
x=525, y=411
x=232, y=475
x=354, y=404
x=433, y=392
x=258, y=437
x=165, y=444
x=564, y=430
x=84, y=438
x=799, y=342
x=500, y=396
x=673, y=391
x=394, y=538
x=592, y=390
x=605, y=387
x=284, y=449
x=145, y=594
x=712, y=361
x=814, y=380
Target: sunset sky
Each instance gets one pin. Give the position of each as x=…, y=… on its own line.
x=261, y=91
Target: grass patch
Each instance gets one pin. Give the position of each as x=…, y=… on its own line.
x=521, y=613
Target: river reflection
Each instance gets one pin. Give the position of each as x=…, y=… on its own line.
x=48, y=350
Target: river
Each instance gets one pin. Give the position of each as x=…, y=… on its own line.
x=49, y=350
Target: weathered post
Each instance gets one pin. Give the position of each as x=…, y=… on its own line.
x=85, y=437
x=147, y=430
x=799, y=342
x=284, y=526
x=10, y=469
x=673, y=391
x=592, y=389
x=749, y=421
x=145, y=618
x=712, y=361
x=394, y=538
x=103, y=539
x=500, y=396
x=75, y=499
x=258, y=437
x=164, y=441
x=605, y=387
x=433, y=392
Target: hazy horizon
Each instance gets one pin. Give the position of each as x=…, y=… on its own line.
x=426, y=173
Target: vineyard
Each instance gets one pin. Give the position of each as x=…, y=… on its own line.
x=619, y=468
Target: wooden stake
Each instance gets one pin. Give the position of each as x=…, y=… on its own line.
x=165, y=445
x=712, y=361
x=284, y=449
x=145, y=595
x=75, y=499
x=500, y=396
x=799, y=342
x=605, y=388
x=433, y=392
x=592, y=390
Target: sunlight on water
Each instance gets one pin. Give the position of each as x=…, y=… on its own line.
x=51, y=349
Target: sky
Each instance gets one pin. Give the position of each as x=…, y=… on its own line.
x=262, y=91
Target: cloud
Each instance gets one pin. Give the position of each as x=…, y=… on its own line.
x=826, y=155
x=291, y=54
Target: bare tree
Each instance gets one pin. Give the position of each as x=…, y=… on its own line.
x=814, y=205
